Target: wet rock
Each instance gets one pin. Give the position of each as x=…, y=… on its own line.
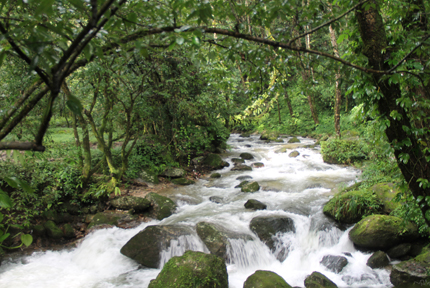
x=149, y=176
x=173, y=172
x=248, y=145
x=198, y=160
x=216, y=238
x=1, y=255
x=294, y=154
x=272, y=136
x=71, y=208
x=182, y=181
x=267, y=227
x=69, y=232
x=250, y=187
x=52, y=230
x=215, y=175
x=382, y=232
x=318, y=280
x=255, y=205
x=245, y=134
x=161, y=207
x=241, y=184
x=214, y=162
x=39, y=230
x=334, y=263
x=246, y=156
x=294, y=140
x=137, y=204
x=385, y=192
x=378, y=260
x=415, y=271
x=257, y=165
x=237, y=161
x=243, y=177
x=145, y=247
x=241, y=168
x=265, y=279
x=110, y=218
x=399, y=251
x=193, y=267
x=216, y=199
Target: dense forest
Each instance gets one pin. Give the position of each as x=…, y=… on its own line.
x=94, y=92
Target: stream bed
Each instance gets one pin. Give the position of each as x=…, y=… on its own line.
x=293, y=187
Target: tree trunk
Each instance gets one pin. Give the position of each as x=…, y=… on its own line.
x=409, y=153
x=290, y=108
x=338, y=98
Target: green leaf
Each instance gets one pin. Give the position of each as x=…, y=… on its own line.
x=4, y=237
x=180, y=40
x=45, y=7
x=11, y=181
x=5, y=201
x=77, y=4
x=74, y=104
x=27, y=239
x=2, y=57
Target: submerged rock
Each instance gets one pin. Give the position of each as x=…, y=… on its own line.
x=241, y=168
x=415, y=271
x=267, y=227
x=193, y=267
x=294, y=154
x=334, y=263
x=255, y=205
x=382, y=232
x=265, y=279
x=250, y=187
x=399, y=250
x=145, y=246
x=182, y=181
x=215, y=175
x=137, y=204
x=318, y=280
x=245, y=177
x=378, y=260
x=216, y=199
x=161, y=207
x=246, y=156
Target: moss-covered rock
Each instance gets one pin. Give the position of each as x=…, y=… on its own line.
x=294, y=140
x=215, y=175
x=246, y=156
x=147, y=175
x=193, y=269
x=294, y=154
x=145, y=247
x=265, y=279
x=214, y=162
x=161, y=207
x=39, y=230
x=337, y=151
x=137, y=204
x=69, y=232
x=255, y=205
x=52, y=230
x=416, y=270
x=350, y=207
x=105, y=218
x=382, y=232
x=378, y=260
x=238, y=160
x=318, y=280
x=400, y=250
x=241, y=184
x=182, y=181
x=173, y=172
x=271, y=136
x=386, y=193
x=250, y=187
x=241, y=168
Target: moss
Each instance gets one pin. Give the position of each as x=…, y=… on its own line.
x=68, y=231
x=213, y=160
x=318, y=280
x=52, y=230
x=216, y=175
x=103, y=218
x=336, y=151
x=386, y=193
x=265, y=279
x=416, y=270
x=294, y=140
x=162, y=207
x=250, y=187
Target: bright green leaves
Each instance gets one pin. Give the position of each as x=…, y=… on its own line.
x=17, y=183
x=26, y=239
x=203, y=13
x=5, y=201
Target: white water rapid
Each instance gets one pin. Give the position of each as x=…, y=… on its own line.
x=293, y=187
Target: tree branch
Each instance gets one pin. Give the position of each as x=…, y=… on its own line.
x=21, y=146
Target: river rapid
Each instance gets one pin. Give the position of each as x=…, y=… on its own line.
x=294, y=187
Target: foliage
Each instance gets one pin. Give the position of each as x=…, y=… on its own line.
x=339, y=151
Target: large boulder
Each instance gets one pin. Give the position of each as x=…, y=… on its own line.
x=145, y=246
x=382, y=232
x=350, y=207
x=378, y=260
x=265, y=279
x=111, y=218
x=416, y=270
x=255, y=205
x=52, y=230
x=385, y=192
x=400, y=250
x=214, y=162
x=161, y=207
x=334, y=263
x=216, y=238
x=250, y=187
x=193, y=267
x=137, y=204
x=173, y=172
x=149, y=176
x=266, y=227
x=246, y=156
x=318, y=280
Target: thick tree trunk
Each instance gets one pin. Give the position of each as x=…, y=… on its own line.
x=338, y=96
x=409, y=153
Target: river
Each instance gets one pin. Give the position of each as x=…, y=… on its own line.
x=294, y=187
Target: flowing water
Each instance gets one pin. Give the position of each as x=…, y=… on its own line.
x=294, y=187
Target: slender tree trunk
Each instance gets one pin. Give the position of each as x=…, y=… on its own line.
x=338, y=98
x=290, y=107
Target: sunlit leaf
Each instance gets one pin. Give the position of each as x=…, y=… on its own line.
x=26, y=239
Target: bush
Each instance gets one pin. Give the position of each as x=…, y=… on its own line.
x=336, y=151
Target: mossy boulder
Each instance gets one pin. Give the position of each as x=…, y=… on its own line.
x=318, y=280
x=216, y=238
x=265, y=279
x=137, y=204
x=198, y=160
x=334, y=263
x=69, y=232
x=294, y=154
x=241, y=168
x=161, y=207
x=182, y=181
x=416, y=270
x=272, y=136
x=145, y=246
x=350, y=207
x=378, y=259
x=39, y=230
x=105, y=218
x=246, y=156
x=339, y=151
x=52, y=230
x=214, y=162
x=173, y=172
x=386, y=193
x=193, y=269
x=382, y=232
x=250, y=187
x=237, y=160
x=255, y=205
x=241, y=184
x=215, y=175
x=294, y=140
x=149, y=176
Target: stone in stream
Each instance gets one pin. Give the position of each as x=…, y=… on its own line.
x=255, y=205
x=294, y=154
x=250, y=187
x=318, y=280
x=161, y=207
x=265, y=279
x=216, y=238
x=145, y=247
x=191, y=268
x=241, y=168
x=382, y=232
x=334, y=263
x=214, y=162
x=399, y=250
x=246, y=156
x=69, y=232
x=241, y=184
x=294, y=140
x=416, y=270
x=111, y=218
x=216, y=199
x=137, y=204
x=245, y=177
x=237, y=161
x=257, y=165
x=173, y=172
x=215, y=175
x=378, y=260
x=182, y=181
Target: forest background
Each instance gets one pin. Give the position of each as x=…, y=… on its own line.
x=97, y=91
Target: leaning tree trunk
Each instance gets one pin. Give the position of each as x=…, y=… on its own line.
x=338, y=98
x=405, y=144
